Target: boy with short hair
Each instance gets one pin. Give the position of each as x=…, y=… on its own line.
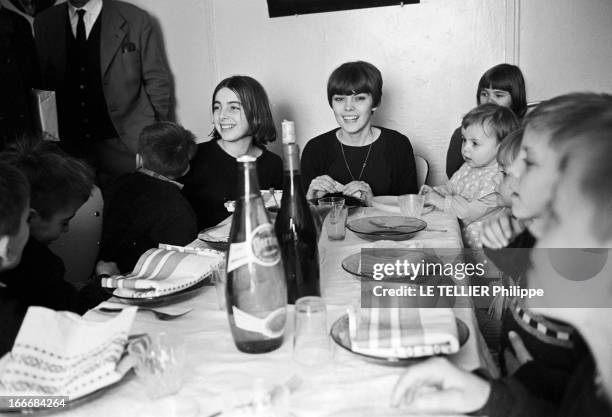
x=60, y=185
x=146, y=208
x=14, y=233
x=575, y=131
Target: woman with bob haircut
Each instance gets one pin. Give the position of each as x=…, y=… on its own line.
x=243, y=125
x=357, y=159
x=503, y=85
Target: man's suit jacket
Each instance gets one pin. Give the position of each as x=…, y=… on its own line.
x=135, y=77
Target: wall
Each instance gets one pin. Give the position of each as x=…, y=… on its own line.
x=565, y=45
x=431, y=56
x=186, y=28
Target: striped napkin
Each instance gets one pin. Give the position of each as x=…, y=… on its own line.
x=403, y=332
x=165, y=270
x=61, y=353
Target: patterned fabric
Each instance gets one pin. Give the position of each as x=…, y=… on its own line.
x=542, y=328
x=164, y=271
x=470, y=195
x=403, y=332
x=60, y=353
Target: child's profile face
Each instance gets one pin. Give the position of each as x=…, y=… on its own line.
x=570, y=223
x=492, y=95
x=505, y=187
x=479, y=148
x=18, y=242
x=535, y=168
x=228, y=116
x=48, y=230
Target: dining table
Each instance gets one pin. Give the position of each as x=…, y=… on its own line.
x=216, y=372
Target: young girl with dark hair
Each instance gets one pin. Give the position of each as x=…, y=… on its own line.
x=243, y=125
x=503, y=85
x=358, y=159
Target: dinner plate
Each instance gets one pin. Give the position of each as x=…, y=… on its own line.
x=353, y=264
x=172, y=298
x=70, y=404
x=386, y=227
x=340, y=334
x=390, y=204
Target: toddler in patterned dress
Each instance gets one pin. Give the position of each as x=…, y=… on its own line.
x=471, y=193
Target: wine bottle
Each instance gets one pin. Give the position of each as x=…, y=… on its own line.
x=295, y=227
x=256, y=293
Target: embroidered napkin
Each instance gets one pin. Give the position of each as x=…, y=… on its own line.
x=165, y=270
x=269, y=200
x=61, y=353
x=403, y=332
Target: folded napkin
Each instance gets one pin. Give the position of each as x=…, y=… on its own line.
x=403, y=332
x=269, y=200
x=61, y=353
x=218, y=233
x=165, y=270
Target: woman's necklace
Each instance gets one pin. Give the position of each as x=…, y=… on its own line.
x=365, y=161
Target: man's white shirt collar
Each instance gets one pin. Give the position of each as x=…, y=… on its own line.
x=92, y=11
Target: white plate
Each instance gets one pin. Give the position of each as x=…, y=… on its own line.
x=390, y=204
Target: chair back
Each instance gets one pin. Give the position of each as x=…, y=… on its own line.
x=79, y=247
x=422, y=170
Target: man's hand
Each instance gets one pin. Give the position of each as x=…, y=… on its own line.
x=437, y=386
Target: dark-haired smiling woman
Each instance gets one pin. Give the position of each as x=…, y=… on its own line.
x=243, y=126
x=358, y=159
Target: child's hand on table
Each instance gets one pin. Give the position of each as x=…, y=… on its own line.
x=437, y=386
x=107, y=268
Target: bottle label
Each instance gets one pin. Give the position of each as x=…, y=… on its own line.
x=273, y=325
x=238, y=255
x=264, y=245
x=261, y=247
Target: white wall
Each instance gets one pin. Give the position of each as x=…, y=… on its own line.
x=565, y=45
x=431, y=56
x=186, y=30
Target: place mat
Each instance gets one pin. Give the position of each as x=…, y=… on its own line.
x=63, y=354
x=166, y=270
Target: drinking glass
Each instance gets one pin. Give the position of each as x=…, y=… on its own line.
x=335, y=222
x=160, y=363
x=311, y=341
x=411, y=205
x=219, y=278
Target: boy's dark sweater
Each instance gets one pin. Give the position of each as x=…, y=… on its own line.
x=582, y=397
x=38, y=280
x=545, y=377
x=141, y=213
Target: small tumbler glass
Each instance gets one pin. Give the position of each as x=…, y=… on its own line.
x=311, y=341
x=411, y=205
x=160, y=363
x=335, y=222
x=219, y=278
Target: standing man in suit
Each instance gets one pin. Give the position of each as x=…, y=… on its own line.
x=104, y=59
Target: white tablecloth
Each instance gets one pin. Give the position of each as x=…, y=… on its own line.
x=348, y=386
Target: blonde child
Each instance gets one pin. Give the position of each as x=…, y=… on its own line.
x=471, y=192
